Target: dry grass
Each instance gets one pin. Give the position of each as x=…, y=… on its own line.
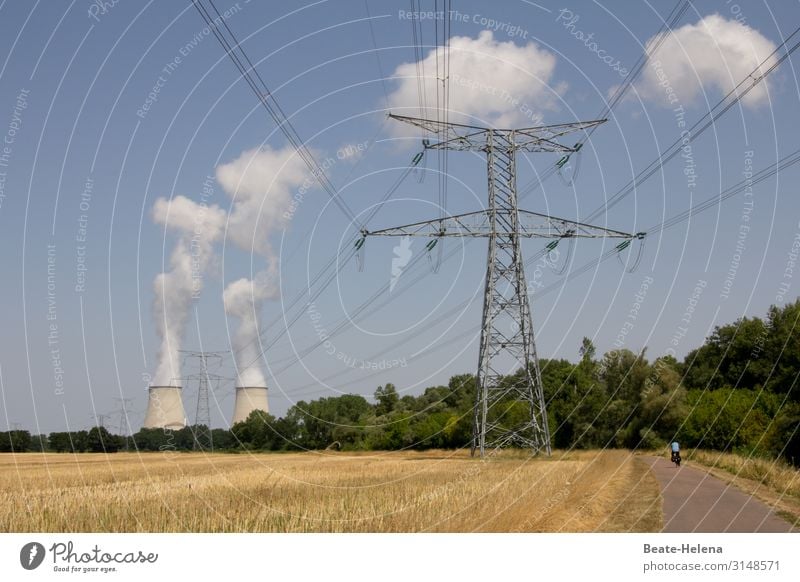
x=331, y=492
x=774, y=482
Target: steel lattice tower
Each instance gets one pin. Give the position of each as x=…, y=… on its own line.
x=509, y=410
x=123, y=418
x=202, y=418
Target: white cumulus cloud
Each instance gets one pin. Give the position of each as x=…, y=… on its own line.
x=713, y=54
x=491, y=83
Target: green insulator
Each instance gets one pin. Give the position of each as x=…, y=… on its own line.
x=360, y=243
x=417, y=159
x=623, y=245
x=560, y=163
x=552, y=245
x=432, y=244
x=578, y=147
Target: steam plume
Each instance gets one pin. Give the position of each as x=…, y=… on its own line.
x=198, y=227
x=261, y=183
x=243, y=299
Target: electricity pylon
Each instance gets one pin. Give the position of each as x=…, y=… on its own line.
x=509, y=410
x=202, y=418
x=123, y=418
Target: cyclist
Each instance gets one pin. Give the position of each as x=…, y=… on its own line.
x=676, y=453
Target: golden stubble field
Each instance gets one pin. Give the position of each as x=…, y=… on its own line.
x=441, y=491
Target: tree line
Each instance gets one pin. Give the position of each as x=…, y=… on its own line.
x=737, y=392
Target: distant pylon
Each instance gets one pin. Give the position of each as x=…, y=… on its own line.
x=202, y=417
x=123, y=418
x=203, y=439
x=100, y=419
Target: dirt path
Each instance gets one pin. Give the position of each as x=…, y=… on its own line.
x=694, y=501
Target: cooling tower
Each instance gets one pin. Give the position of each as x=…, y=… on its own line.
x=248, y=399
x=165, y=408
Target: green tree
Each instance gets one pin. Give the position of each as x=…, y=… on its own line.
x=731, y=356
x=461, y=396
x=322, y=422
x=251, y=433
x=587, y=350
x=783, y=438
x=562, y=382
x=606, y=409
x=222, y=439
x=154, y=439
x=59, y=442
x=662, y=408
x=99, y=440
x=39, y=443
x=387, y=399
x=729, y=419
x=394, y=432
x=183, y=438
x=430, y=431
x=17, y=441
x=779, y=353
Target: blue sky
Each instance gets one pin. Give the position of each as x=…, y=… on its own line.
x=78, y=103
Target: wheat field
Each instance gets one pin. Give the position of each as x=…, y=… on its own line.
x=439, y=491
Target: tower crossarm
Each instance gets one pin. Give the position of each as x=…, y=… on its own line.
x=461, y=137
x=481, y=224
x=542, y=139
x=537, y=225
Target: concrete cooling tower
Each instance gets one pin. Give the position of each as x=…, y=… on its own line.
x=248, y=399
x=165, y=408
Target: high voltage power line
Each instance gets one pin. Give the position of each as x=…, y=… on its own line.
x=676, y=14
x=700, y=126
x=244, y=65
x=670, y=22
x=786, y=162
x=265, y=97
x=758, y=177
